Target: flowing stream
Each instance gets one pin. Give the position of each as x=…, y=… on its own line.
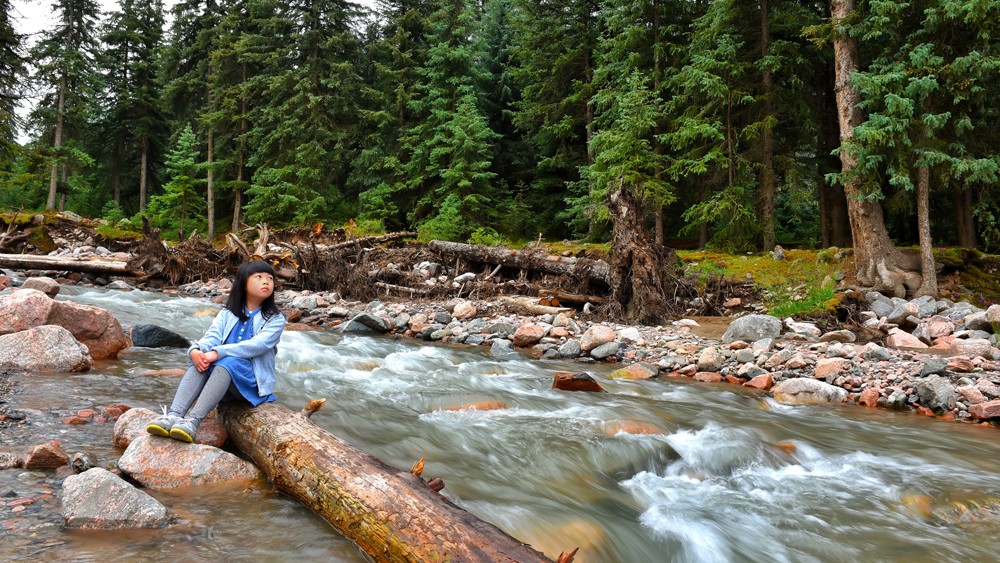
x=734, y=476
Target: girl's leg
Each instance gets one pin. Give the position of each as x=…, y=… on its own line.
x=213, y=391
x=189, y=389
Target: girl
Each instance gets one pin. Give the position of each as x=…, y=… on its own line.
x=235, y=357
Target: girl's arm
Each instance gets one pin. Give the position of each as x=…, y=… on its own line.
x=261, y=342
x=213, y=336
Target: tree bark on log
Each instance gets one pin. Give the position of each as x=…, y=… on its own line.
x=392, y=515
x=596, y=270
x=64, y=263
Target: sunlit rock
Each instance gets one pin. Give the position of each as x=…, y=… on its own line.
x=45, y=348
x=97, y=499
x=163, y=463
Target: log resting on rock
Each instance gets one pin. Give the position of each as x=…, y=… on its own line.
x=64, y=264
x=392, y=515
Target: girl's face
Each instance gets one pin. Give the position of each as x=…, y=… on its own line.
x=259, y=286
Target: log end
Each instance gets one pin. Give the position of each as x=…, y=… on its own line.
x=418, y=467
x=313, y=406
x=567, y=557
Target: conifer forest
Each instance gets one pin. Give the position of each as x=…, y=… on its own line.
x=731, y=124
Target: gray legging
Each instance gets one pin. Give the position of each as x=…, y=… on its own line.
x=203, y=391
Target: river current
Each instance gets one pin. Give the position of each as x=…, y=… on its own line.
x=732, y=475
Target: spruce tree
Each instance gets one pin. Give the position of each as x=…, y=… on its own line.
x=12, y=68
x=180, y=204
x=447, y=179
x=303, y=132
x=66, y=76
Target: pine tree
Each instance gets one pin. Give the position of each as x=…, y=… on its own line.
x=181, y=201
x=394, y=54
x=304, y=130
x=554, y=65
x=448, y=153
x=133, y=119
x=65, y=61
x=12, y=68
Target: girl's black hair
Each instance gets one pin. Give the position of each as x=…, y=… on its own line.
x=237, y=301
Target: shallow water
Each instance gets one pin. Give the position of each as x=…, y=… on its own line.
x=733, y=476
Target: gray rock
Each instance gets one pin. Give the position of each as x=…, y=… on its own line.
x=10, y=460
x=474, y=339
x=570, y=349
x=900, y=313
x=401, y=321
x=466, y=277
x=428, y=330
x=844, y=336
x=882, y=308
x=934, y=366
x=46, y=285
x=604, y=350
x=752, y=327
x=977, y=321
x=896, y=400
x=503, y=349
x=763, y=345
x=876, y=353
x=804, y=390
x=119, y=284
x=442, y=317
x=745, y=355
x=81, y=461
x=440, y=334
x=778, y=253
x=501, y=328
x=926, y=306
x=97, y=499
x=475, y=326
x=153, y=336
x=373, y=322
x=937, y=393
x=630, y=335
x=551, y=354
x=304, y=302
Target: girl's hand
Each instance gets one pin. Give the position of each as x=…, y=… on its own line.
x=202, y=360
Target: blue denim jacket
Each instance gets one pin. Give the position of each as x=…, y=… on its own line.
x=260, y=349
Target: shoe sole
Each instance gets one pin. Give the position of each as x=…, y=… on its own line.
x=178, y=434
x=157, y=430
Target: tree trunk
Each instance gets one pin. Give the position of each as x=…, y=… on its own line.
x=392, y=515
x=928, y=268
x=876, y=258
x=143, y=175
x=116, y=170
x=64, y=264
x=543, y=262
x=766, y=195
x=50, y=202
x=966, y=223
x=839, y=224
x=210, y=185
x=640, y=273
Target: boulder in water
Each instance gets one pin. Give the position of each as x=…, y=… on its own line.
x=153, y=336
x=97, y=499
x=808, y=391
x=45, y=348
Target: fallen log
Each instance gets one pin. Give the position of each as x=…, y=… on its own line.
x=595, y=270
x=392, y=515
x=531, y=306
x=65, y=264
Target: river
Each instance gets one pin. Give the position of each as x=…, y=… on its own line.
x=733, y=476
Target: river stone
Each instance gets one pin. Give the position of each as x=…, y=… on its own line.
x=936, y=393
x=46, y=456
x=131, y=425
x=842, y=336
x=569, y=381
x=972, y=347
x=529, y=334
x=570, y=349
x=710, y=359
x=630, y=335
x=926, y=306
x=153, y=336
x=752, y=328
x=976, y=321
x=162, y=463
x=802, y=390
x=97, y=499
x=989, y=409
x=93, y=326
x=876, y=353
x=23, y=309
x=501, y=328
x=604, y=350
x=503, y=349
x=899, y=338
x=305, y=302
x=45, y=348
x=597, y=335
x=934, y=366
x=46, y=285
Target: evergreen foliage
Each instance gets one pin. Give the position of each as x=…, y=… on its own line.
x=501, y=119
